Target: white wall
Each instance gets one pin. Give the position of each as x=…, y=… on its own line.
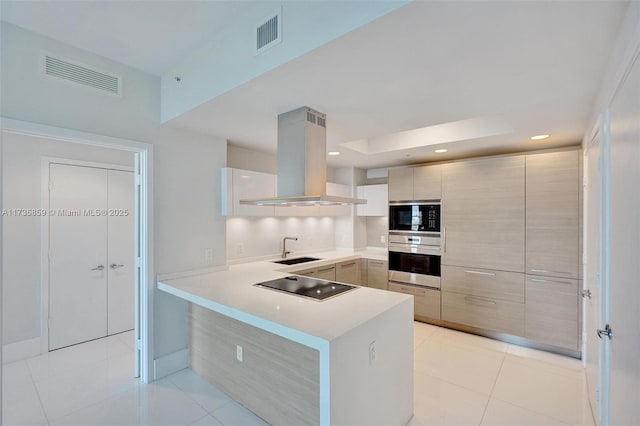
x=186, y=170
x=249, y=159
x=262, y=237
x=351, y=231
x=21, y=240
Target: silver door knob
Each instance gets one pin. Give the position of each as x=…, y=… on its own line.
x=606, y=332
x=586, y=294
x=98, y=268
x=115, y=266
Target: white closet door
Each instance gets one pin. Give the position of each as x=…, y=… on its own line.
x=77, y=255
x=120, y=243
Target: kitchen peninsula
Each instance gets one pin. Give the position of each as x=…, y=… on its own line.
x=293, y=360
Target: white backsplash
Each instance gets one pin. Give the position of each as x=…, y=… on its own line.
x=261, y=237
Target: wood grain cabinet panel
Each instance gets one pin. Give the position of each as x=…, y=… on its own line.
x=400, y=184
x=426, y=302
x=483, y=211
x=348, y=272
x=427, y=183
x=326, y=273
x=484, y=283
x=552, y=223
x=378, y=274
x=552, y=311
x=497, y=315
x=278, y=378
x=364, y=279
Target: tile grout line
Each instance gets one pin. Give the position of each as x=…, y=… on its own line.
x=209, y=413
x=484, y=413
x=33, y=383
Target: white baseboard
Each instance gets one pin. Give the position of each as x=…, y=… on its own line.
x=21, y=350
x=170, y=364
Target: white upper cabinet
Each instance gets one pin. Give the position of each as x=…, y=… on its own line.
x=240, y=184
x=415, y=183
x=377, y=200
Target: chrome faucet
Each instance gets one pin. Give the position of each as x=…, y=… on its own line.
x=284, y=246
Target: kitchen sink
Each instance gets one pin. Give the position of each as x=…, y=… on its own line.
x=295, y=260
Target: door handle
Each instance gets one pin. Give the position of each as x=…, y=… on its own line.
x=98, y=268
x=115, y=266
x=586, y=294
x=606, y=332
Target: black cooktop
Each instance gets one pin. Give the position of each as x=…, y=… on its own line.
x=306, y=287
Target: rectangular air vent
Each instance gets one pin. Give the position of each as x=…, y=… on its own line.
x=80, y=74
x=269, y=33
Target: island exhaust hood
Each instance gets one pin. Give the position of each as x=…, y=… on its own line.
x=302, y=163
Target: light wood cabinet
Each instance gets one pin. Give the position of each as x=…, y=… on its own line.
x=501, y=316
x=552, y=311
x=415, y=183
x=552, y=213
x=326, y=273
x=238, y=184
x=483, y=213
x=427, y=183
x=364, y=277
x=400, y=184
x=483, y=283
x=426, y=301
x=378, y=274
x=377, y=200
x=348, y=272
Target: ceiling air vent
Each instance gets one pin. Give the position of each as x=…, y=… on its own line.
x=269, y=33
x=80, y=74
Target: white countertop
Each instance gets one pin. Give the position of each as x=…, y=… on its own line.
x=314, y=323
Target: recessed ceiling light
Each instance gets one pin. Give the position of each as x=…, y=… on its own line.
x=333, y=153
x=441, y=150
x=539, y=137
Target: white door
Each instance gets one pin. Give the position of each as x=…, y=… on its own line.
x=624, y=253
x=592, y=283
x=120, y=248
x=77, y=255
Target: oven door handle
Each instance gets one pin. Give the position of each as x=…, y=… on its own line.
x=417, y=250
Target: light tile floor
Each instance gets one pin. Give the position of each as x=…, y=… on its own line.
x=459, y=379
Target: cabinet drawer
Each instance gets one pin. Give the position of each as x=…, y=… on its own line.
x=484, y=283
x=497, y=315
x=307, y=272
x=326, y=273
x=364, y=278
x=377, y=274
x=552, y=311
x=426, y=301
x=348, y=272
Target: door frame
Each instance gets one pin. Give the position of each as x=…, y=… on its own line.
x=45, y=176
x=143, y=171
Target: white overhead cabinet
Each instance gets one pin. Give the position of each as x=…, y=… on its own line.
x=377, y=200
x=415, y=183
x=238, y=184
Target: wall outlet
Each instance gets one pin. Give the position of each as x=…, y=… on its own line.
x=239, y=353
x=383, y=239
x=208, y=255
x=240, y=249
x=372, y=352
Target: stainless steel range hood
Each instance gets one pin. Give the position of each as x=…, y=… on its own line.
x=302, y=162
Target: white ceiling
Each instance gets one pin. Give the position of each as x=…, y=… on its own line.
x=534, y=66
x=148, y=35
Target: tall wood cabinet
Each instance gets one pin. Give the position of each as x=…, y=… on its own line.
x=552, y=189
x=415, y=183
x=483, y=213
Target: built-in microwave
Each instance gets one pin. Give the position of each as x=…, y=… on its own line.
x=418, y=216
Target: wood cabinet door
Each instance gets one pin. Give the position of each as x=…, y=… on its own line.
x=483, y=212
x=552, y=200
x=400, y=184
x=426, y=302
x=326, y=273
x=348, y=272
x=378, y=274
x=552, y=311
x=427, y=183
